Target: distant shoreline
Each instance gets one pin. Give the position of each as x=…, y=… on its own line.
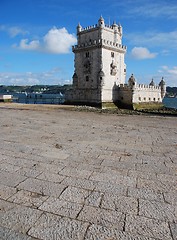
x=42, y=107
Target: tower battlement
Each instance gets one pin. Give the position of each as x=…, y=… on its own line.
x=98, y=43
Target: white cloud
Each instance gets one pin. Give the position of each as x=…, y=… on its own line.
x=13, y=31
x=26, y=45
x=142, y=53
x=56, y=41
x=53, y=76
x=152, y=38
x=154, y=9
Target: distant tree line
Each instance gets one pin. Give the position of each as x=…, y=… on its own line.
x=171, y=92
x=54, y=89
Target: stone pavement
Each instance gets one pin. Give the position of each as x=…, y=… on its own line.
x=87, y=176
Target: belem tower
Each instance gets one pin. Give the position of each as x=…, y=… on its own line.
x=100, y=71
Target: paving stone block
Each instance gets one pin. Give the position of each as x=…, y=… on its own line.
x=173, y=227
x=52, y=177
x=155, y=185
x=115, y=178
x=6, y=192
x=79, y=182
x=61, y=207
x=98, y=232
x=145, y=194
x=29, y=172
x=54, y=227
x=10, y=179
x=120, y=203
x=8, y=167
x=16, y=217
x=94, y=199
x=171, y=197
x=157, y=210
x=142, y=174
x=42, y=187
x=110, y=187
x=102, y=217
x=8, y=234
x=147, y=227
x=74, y=194
x=73, y=172
x=29, y=199
x=46, y=167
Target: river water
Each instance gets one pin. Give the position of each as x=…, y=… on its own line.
x=170, y=102
x=59, y=99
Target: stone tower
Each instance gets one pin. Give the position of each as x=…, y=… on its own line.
x=99, y=64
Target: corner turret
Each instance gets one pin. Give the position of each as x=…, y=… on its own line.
x=152, y=83
x=162, y=85
x=132, y=82
x=79, y=28
x=101, y=22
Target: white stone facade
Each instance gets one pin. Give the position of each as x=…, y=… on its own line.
x=100, y=69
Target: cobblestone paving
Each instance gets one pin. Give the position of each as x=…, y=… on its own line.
x=87, y=176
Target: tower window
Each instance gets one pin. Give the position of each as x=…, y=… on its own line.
x=87, y=54
x=87, y=78
x=112, y=54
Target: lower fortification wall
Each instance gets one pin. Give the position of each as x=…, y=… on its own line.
x=140, y=94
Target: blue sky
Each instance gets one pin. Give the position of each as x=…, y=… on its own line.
x=36, y=38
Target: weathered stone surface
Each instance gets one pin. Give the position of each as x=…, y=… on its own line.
x=17, y=217
x=72, y=172
x=52, y=177
x=10, y=179
x=29, y=199
x=173, y=227
x=148, y=227
x=102, y=217
x=142, y=174
x=6, y=192
x=94, y=199
x=42, y=187
x=61, y=207
x=120, y=203
x=8, y=167
x=155, y=185
x=29, y=172
x=98, y=232
x=79, y=182
x=52, y=168
x=115, y=178
x=112, y=188
x=171, y=197
x=6, y=233
x=74, y=194
x=157, y=210
x=90, y=179
x=54, y=227
x=145, y=194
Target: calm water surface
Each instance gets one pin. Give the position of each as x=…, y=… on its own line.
x=170, y=102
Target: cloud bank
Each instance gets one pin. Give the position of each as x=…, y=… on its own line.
x=56, y=41
x=54, y=76
x=142, y=53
